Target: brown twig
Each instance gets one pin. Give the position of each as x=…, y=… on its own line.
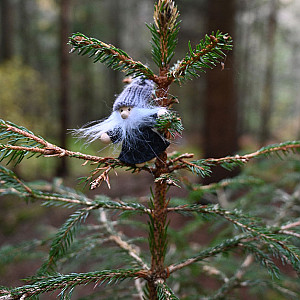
x=129, y=249
x=116, y=237
x=247, y=157
x=236, y=280
x=50, y=149
x=283, y=229
x=185, y=63
x=127, y=60
x=291, y=233
x=103, y=177
x=177, y=266
x=180, y=157
x=179, y=163
x=290, y=225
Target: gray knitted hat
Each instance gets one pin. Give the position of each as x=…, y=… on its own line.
x=136, y=94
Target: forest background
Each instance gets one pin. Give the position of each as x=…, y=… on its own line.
x=47, y=90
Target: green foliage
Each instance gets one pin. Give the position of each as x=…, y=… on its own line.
x=14, y=138
x=63, y=239
x=170, y=123
x=67, y=283
x=203, y=167
x=164, y=292
x=207, y=54
x=113, y=57
x=20, y=252
x=264, y=244
x=66, y=197
x=235, y=183
x=267, y=237
x=164, y=32
x=236, y=223
x=16, y=80
x=252, y=237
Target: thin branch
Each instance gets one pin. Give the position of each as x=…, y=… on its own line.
x=139, y=287
x=52, y=150
x=291, y=225
x=178, y=158
x=266, y=150
x=235, y=281
x=129, y=249
x=212, y=271
x=114, y=236
x=208, y=253
x=119, y=59
x=291, y=233
x=57, y=282
x=103, y=177
x=184, y=64
x=52, y=199
x=283, y=229
x=179, y=162
x=228, y=216
x=24, y=133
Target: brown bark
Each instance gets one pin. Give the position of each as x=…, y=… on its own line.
x=220, y=130
x=65, y=19
x=115, y=38
x=7, y=29
x=268, y=97
x=160, y=204
x=25, y=37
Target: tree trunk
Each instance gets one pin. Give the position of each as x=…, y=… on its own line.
x=116, y=27
x=65, y=8
x=25, y=37
x=220, y=137
x=268, y=92
x=7, y=29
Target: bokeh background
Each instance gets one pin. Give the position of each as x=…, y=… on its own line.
x=250, y=101
x=253, y=101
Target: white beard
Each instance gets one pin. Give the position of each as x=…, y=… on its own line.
x=129, y=127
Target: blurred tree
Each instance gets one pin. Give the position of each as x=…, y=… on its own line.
x=114, y=14
x=25, y=37
x=268, y=89
x=83, y=84
x=16, y=80
x=220, y=129
x=65, y=20
x=7, y=29
x=192, y=26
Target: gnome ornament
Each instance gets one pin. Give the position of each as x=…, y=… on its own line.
x=131, y=123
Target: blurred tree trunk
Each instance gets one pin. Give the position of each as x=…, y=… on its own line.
x=25, y=37
x=7, y=29
x=242, y=32
x=116, y=26
x=65, y=16
x=268, y=87
x=85, y=79
x=220, y=129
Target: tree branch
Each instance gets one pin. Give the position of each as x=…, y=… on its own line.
x=114, y=236
x=225, y=246
x=109, y=54
x=57, y=282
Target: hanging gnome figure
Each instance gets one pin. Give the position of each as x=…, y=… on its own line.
x=132, y=122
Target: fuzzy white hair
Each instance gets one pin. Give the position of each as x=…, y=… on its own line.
x=128, y=128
